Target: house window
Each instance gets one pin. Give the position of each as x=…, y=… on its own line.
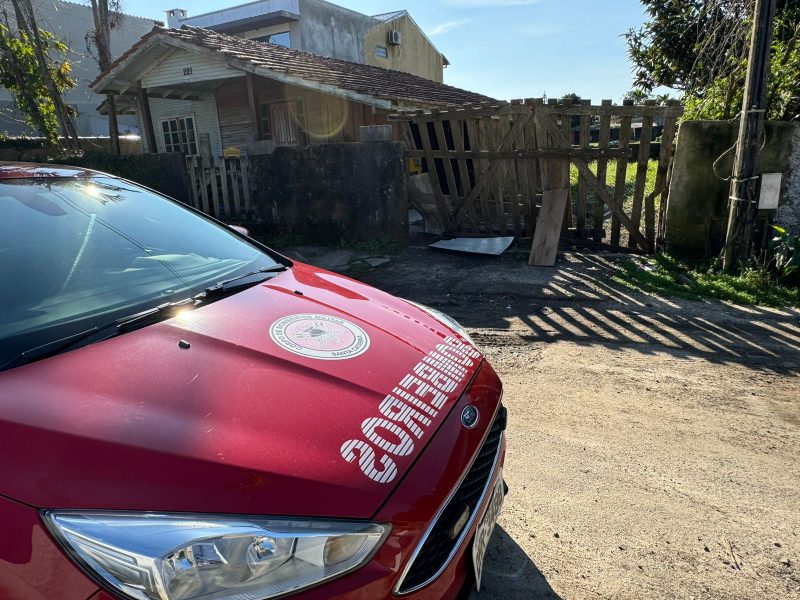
x=381, y=52
x=281, y=122
x=263, y=114
x=179, y=135
x=279, y=39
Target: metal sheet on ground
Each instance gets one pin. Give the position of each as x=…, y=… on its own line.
x=494, y=246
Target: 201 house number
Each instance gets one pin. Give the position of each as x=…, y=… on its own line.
x=187, y=71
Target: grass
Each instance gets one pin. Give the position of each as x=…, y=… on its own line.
x=611, y=178
x=665, y=276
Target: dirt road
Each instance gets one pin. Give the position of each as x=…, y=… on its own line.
x=654, y=445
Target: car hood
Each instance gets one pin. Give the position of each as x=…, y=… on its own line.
x=266, y=412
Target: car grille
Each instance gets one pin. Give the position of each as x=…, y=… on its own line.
x=440, y=544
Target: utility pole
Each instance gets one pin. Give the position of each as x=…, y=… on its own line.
x=743, y=201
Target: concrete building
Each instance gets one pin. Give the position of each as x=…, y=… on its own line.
x=71, y=22
x=390, y=40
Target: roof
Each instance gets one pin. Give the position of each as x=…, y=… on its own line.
x=363, y=83
x=390, y=16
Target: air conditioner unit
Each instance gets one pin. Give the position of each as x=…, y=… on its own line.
x=395, y=39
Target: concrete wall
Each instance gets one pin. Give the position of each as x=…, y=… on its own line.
x=326, y=29
x=334, y=31
x=71, y=22
x=416, y=54
x=331, y=192
x=696, y=218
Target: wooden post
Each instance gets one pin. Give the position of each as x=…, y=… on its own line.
x=146, y=119
x=743, y=202
x=255, y=114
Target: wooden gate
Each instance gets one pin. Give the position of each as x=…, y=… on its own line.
x=491, y=167
x=220, y=187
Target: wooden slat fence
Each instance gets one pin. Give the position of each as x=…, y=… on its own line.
x=220, y=187
x=490, y=165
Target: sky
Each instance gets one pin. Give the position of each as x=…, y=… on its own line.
x=504, y=48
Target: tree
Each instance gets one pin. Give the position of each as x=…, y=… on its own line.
x=34, y=69
x=700, y=47
x=104, y=20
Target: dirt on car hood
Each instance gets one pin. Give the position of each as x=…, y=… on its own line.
x=310, y=394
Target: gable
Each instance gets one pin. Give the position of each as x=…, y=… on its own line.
x=416, y=54
x=184, y=66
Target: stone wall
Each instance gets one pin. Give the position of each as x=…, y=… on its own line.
x=332, y=192
x=697, y=211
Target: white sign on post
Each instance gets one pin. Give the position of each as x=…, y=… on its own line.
x=770, y=191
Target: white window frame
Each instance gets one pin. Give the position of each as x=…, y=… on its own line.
x=196, y=141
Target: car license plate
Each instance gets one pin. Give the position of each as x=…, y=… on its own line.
x=484, y=531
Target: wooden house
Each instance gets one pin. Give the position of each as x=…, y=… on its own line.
x=192, y=87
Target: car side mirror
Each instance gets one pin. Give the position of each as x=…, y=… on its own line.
x=241, y=230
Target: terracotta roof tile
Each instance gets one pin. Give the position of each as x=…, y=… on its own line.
x=363, y=79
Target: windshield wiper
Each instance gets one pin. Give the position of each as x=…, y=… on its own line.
x=141, y=319
x=238, y=283
x=99, y=333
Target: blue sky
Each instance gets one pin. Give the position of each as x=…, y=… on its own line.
x=505, y=48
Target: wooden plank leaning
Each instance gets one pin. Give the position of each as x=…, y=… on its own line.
x=548, y=228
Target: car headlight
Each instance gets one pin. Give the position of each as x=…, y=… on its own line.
x=446, y=319
x=180, y=557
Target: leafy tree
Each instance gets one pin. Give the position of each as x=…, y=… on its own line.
x=34, y=68
x=700, y=47
x=639, y=96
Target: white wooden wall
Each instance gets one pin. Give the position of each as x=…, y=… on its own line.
x=188, y=67
x=205, y=118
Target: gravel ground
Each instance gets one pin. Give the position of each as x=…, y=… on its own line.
x=653, y=444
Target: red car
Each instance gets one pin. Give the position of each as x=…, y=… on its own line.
x=185, y=413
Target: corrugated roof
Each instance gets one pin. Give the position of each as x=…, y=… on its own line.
x=390, y=16
x=288, y=64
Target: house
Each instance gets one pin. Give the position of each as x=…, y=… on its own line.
x=193, y=87
x=71, y=23
x=390, y=40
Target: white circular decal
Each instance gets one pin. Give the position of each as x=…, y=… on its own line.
x=323, y=337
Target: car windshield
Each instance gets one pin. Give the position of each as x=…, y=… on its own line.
x=78, y=252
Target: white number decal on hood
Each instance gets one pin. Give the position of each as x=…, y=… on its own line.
x=409, y=410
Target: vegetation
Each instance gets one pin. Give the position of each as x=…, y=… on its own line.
x=783, y=255
x=700, y=47
x=611, y=178
x=20, y=74
x=665, y=276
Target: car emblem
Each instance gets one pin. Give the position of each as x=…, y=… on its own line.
x=469, y=417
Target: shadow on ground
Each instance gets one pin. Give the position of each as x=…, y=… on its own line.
x=579, y=301
x=509, y=573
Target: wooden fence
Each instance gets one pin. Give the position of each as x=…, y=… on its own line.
x=491, y=165
x=220, y=187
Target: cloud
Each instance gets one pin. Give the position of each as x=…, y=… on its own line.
x=490, y=3
x=448, y=26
